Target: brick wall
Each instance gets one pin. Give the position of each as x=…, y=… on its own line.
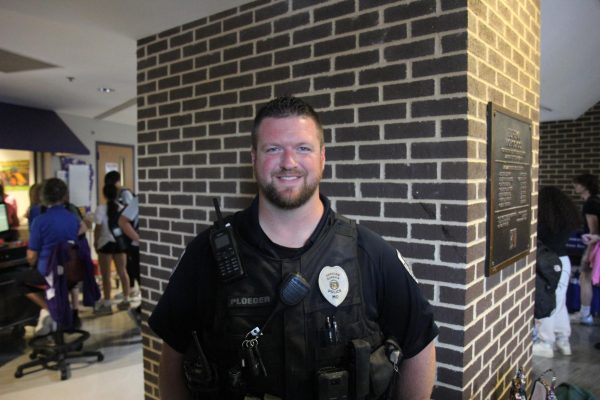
x=569, y=148
x=503, y=68
x=401, y=87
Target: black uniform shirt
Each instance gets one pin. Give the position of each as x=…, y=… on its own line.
x=591, y=207
x=392, y=296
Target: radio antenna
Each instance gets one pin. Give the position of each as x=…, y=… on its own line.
x=218, y=211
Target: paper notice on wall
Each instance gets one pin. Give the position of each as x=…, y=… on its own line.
x=111, y=166
x=79, y=185
x=62, y=175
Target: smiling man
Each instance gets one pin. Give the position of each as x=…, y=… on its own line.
x=289, y=160
x=324, y=309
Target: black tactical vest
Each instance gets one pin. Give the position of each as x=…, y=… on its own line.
x=295, y=345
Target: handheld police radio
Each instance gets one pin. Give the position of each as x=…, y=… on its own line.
x=200, y=376
x=224, y=247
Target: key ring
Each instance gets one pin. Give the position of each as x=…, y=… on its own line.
x=250, y=343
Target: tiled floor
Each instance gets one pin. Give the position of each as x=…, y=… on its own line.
x=583, y=367
x=118, y=376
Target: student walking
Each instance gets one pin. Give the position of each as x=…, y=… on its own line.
x=109, y=243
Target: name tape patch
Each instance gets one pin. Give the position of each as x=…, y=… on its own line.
x=249, y=301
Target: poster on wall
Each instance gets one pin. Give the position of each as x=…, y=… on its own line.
x=79, y=177
x=14, y=174
x=79, y=191
x=111, y=166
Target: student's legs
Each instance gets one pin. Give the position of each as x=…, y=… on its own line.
x=562, y=324
x=38, y=298
x=32, y=284
x=104, y=260
x=133, y=265
x=585, y=283
x=74, y=292
x=120, y=262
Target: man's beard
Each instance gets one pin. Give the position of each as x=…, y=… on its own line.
x=287, y=201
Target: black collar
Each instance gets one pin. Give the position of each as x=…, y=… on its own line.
x=249, y=228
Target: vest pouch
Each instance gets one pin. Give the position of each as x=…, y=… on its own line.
x=381, y=368
x=330, y=332
x=332, y=383
x=360, y=351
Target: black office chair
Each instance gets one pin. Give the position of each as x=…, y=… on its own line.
x=55, y=350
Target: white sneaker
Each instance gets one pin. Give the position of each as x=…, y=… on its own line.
x=543, y=349
x=134, y=293
x=564, y=347
x=587, y=320
x=102, y=308
x=47, y=324
x=40, y=323
x=124, y=305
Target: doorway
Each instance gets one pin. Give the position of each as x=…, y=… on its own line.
x=114, y=157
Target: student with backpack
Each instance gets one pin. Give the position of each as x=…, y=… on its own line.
x=128, y=200
x=557, y=217
x=111, y=245
x=128, y=222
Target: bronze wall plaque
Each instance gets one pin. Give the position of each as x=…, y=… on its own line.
x=508, y=188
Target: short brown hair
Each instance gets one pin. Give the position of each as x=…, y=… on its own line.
x=282, y=107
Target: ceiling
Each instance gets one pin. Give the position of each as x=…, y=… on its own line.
x=91, y=44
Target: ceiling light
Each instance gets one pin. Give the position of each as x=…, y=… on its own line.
x=106, y=89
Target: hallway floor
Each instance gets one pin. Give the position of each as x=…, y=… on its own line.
x=118, y=376
x=583, y=367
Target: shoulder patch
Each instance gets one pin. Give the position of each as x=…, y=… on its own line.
x=406, y=266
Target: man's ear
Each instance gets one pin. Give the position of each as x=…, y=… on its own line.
x=253, y=155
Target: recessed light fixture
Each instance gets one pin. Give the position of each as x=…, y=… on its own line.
x=106, y=89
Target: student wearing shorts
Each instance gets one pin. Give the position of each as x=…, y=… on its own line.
x=110, y=248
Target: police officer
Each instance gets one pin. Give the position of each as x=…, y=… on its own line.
x=357, y=294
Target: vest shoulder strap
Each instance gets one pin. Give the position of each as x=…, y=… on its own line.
x=345, y=226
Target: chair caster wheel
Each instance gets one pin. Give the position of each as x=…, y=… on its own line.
x=101, y=357
x=64, y=375
x=18, y=374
